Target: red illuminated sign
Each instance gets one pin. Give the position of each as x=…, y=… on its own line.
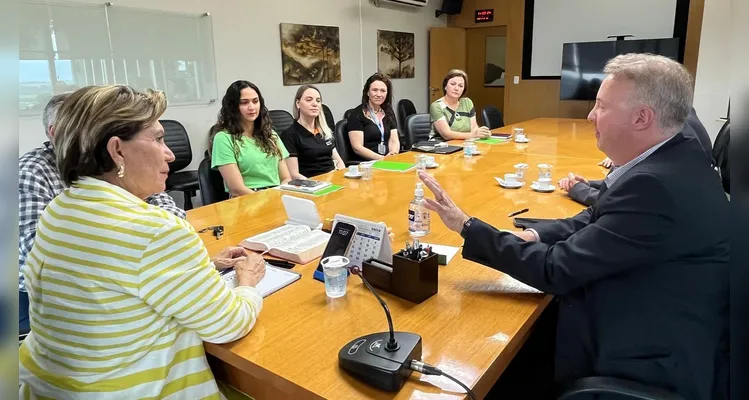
x=485, y=15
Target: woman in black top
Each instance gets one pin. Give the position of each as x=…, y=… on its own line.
x=371, y=126
x=309, y=140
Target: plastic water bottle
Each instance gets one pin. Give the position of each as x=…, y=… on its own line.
x=418, y=215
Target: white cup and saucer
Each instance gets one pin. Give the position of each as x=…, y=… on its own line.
x=510, y=181
x=430, y=163
x=543, y=185
x=520, y=137
x=353, y=172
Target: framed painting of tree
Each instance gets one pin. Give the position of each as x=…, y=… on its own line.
x=310, y=54
x=395, y=54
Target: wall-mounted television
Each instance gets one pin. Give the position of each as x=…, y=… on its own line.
x=583, y=62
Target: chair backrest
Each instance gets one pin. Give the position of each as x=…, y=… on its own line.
x=211, y=183
x=342, y=142
x=492, y=117
x=405, y=108
x=720, y=155
x=347, y=113
x=176, y=138
x=329, y=117
x=280, y=120
x=418, y=127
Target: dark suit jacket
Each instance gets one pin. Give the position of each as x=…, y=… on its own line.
x=642, y=275
x=693, y=128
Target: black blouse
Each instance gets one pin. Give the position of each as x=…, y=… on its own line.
x=357, y=121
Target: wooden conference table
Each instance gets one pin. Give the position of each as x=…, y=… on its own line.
x=471, y=329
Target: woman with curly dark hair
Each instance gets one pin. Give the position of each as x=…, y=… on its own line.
x=372, y=127
x=246, y=150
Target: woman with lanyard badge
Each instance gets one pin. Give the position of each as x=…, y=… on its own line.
x=371, y=126
x=453, y=115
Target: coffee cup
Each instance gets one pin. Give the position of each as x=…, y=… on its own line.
x=353, y=170
x=544, y=183
x=511, y=178
x=429, y=161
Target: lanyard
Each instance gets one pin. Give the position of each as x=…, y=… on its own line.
x=378, y=123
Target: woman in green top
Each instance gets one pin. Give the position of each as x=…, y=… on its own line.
x=453, y=115
x=246, y=150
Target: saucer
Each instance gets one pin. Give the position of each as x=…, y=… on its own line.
x=508, y=185
x=431, y=166
x=352, y=176
x=548, y=189
x=526, y=140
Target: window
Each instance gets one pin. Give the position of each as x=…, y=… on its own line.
x=66, y=46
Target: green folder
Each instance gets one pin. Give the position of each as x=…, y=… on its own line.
x=393, y=166
x=491, y=141
x=329, y=189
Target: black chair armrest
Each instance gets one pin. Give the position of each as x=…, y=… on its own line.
x=608, y=385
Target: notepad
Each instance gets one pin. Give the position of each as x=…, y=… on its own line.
x=393, y=166
x=491, y=141
x=329, y=189
x=274, y=280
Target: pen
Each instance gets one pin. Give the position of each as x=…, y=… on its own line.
x=512, y=214
x=279, y=263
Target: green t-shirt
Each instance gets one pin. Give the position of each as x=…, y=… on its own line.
x=258, y=169
x=459, y=120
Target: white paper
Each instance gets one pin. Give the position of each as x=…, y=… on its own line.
x=274, y=279
x=448, y=251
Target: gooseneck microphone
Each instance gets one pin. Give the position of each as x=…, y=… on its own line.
x=387, y=367
x=382, y=359
x=392, y=344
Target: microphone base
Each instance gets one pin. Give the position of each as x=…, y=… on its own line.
x=366, y=359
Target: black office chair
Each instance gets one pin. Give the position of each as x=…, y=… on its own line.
x=329, y=117
x=405, y=109
x=211, y=183
x=176, y=138
x=418, y=127
x=280, y=120
x=492, y=117
x=585, y=388
x=343, y=144
x=720, y=155
x=347, y=113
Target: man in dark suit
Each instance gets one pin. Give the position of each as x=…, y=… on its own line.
x=585, y=192
x=642, y=275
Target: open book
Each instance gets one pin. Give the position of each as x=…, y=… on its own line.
x=296, y=243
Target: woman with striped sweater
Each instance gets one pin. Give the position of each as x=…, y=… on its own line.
x=122, y=293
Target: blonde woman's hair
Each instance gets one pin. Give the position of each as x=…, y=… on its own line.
x=321, y=121
x=93, y=115
x=660, y=82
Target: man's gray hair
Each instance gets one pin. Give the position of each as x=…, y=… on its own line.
x=49, y=116
x=660, y=82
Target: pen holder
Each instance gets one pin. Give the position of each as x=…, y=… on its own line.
x=408, y=279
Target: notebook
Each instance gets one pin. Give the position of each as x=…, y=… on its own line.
x=274, y=280
x=305, y=185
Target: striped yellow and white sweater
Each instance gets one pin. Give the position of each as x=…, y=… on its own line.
x=123, y=294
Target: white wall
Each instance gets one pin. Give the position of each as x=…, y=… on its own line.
x=712, y=79
x=247, y=46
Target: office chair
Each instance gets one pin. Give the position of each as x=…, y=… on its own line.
x=418, y=127
x=587, y=387
x=329, y=117
x=280, y=120
x=405, y=109
x=347, y=113
x=720, y=155
x=211, y=183
x=492, y=117
x=178, y=141
x=343, y=144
